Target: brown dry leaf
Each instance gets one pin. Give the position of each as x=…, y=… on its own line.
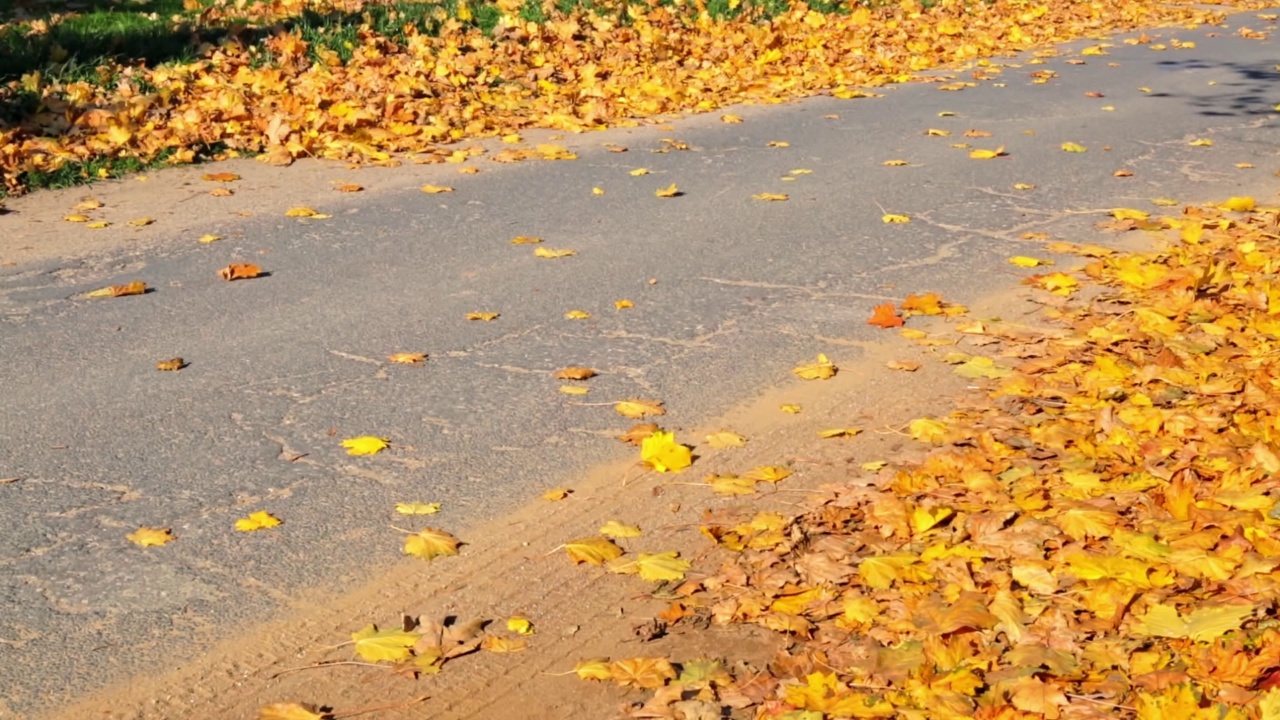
x=1122, y=173
x=430, y=543
x=644, y=673
x=240, y=271
x=150, y=536
x=171, y=365
x=574, y=372
x=904, y=365
x=137, y=287
x=349, y=188
x=638, y=432
x=637, y=408
x=407, y=358
x=594, y=550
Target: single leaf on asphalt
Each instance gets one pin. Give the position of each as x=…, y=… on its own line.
x=98, y=225
x=301, y=211
x=240, y=271
x=661, y=452
x=407, y=358
x=644, y=673
x=823, y=369
x=259, y=520
x=348, y=188
x=150, y=536
x=1074, y=147
x=365, y=445
x=637, y=408
x=141, y=222
x=623, y=304
x=892, y=218
x=894, y=163
x=594, y=669
x=552, y=254
x=779, y=143
x=436, y=189
x=574, y=389
x=417, y=508
x=137, y=287
x=1028, y=262
x=615, y=529
x=594, y=550
x=88, y=204
x=771, y=197
x=1129, y=214
x=987, y=154
x=654, y=567
x=904, y=365
x=575, y=372
x=577, y=315
x=430, y=543
x=376, y=645
x=554, y=152
x=221, y=177
x=725, y=439
x=209, y=238
x=937, y=132
x=291, y=711
x=525, y=240
x=666, y=192
x=171, y=365
x=885, y=316
x=790, y=409
x=638, y=172
x=597, y=191
x=1023, y=186
x=483, y=316
x=1201, y=142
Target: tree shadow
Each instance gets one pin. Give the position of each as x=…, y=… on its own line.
x=1251, y=92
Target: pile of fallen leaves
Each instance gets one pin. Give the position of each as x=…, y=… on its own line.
x=285, y=97
x=1097, y=537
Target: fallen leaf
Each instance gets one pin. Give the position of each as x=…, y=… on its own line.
x=1028, y=262
x=1122, y=173
x=636, y=408
x=725, y=439
x=1201, y=142
x=240, y=271
x=171, y=365
x=520, y=625
x=88, y=204
x=768, y=473
x=772, y=197
x=644, y=673
x=141, y=222
x=638, y=172
x=417, y=508
x=597, y=191
x=669, y=191
x=221, y=192
x=501, y=645
x=885, y=316
x=137, y=287
x=823, y=369
x=407, y=358
x=556, y=494
x=430, y=543
x=1023, y=186
x=838, y=432
x=577, y=315
x=150, y=536
x=483, y=316
x=654, y=567
x=257, y=521
x=623, y=304
x=894, y=163
x=574, y=389
x=892, y=218
x=552, y=254
x=209, y=238
x=574, y=372
x=1074, y=147
x=300, y=212
x=615, y=529
x=525, y=240
x=391, y=645
x=436, y=189
x=594, y=669
x=904, y=365
x=936, y=132
x=987, y=154
x=731, y=119
x=790, y=409
x=661, y=452
x=365, y=445
x=100, y=224
x=348, y=188
x=731, y=485
x=291, y=711
x=221, y=177
x=594, y=550
x=1239, y=204
x=779, y=144
x=637, y=433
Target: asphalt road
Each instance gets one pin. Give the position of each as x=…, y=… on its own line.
x=95, y=442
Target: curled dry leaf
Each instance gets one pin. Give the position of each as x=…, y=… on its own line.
x=417, y=508
x=306, y=212
x=137, y=287
x=823, y=369
x=553, y=254
x=1074, y=147
x=667, y=192
x=98, y=225
x=891, y=218
x=637, y=408
x=483, y=316
x=209, y=238
x=150, y=536
x=847, y=432
x=525, y=240
x=221, y=177
x=556, y=494
x=259, y=520
x=594, y=550
x=436, y=189
x=365, y=445
x=894, y=163
x=520, y=625
x=430, y=543
x=574, y=372
x=171, y=365
x=638, y=433
x=88, y=204
x=407, y=358
x=349, y=188
x=240, y=271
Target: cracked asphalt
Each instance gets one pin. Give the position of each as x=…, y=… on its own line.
x=729, y=294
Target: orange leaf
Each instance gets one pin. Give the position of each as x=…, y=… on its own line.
x=885, y=316
x=240, y=271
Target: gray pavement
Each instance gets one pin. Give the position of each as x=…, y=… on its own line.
x=101, y=443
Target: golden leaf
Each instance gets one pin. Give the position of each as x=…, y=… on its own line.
x=731, y=119
x=1206, y=623
x=349, y=188
x=430, y=543
x=374, y=645
x=637, y=433
x=291, y=711
x=137, y=287
x=407, y=358
x=597, y=191
x=661, y=452
x=1129, y=214
x=552, y=254
x=240, y=271
x=927, y=430
x=1074, y=147
x=436, y=189
x=150, y=536
x=725, y=439
x=483, y=316
x=894, y=163
x=1028, y=262
x=574, y=372
x=790, y=409
x=594, y=550
x=1023, y=186
x=520, y=625
x=1239, y=204
x=892, y=218
x=623, y=304
x=904, y=365
x=574, y=389
x=220, y=177
x=638, y=172
x=820, y=370
x=171, y=365
x=577, y=315
x=1122, y=173
x=838, y=432
x=884, y=316
x=141, y=222
x=615, y=529
x=221, y=192
x=365, y=445
x=669, y=191
x=935, y=132
x=556, y=494
x=594, y=669
x=779, y=143
x=772, y=197
x=257, y=521
x=98, y=225
x=300, y=212
x=1201, y=142
x=554, y=152
x=525, y=240
x=210, y=238
x=417, y=508
x=654, y=567
x=88, y=204
x=637, y=408
x=987, y=154
x=644, y=673
x=768, y=473
x=731, y=485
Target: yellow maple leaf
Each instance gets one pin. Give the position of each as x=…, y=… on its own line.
x=430, y=543
x=768, y=473
x=638, y=172
x=374, y=645
x=597, y=191
x=150, y=536
x=577, y=315
x=731, y=119
x=927, y=430
x=365, y=445
x=661, y=452
x=644, y=673
x=667, y=192
x=1129, y=214
x=772, y=197
x=823, y=369
x=594, y=550
x=1239, y=204
x=987, y=154
x=417, y=508
x=790, y=409
x=594, y=669
x=654, y=567
x=615, y=529
x=483, y=316
x=259, y=520
x=623, y=304
x=1205, y=623
x=553, y=254
x=731, y=485
x=1023, y=186
x=838, y=432
x=637, y=408
x=209, y=238
x=1028, y=262
x=495, y=644
x=725, y=439
x=893, y=218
